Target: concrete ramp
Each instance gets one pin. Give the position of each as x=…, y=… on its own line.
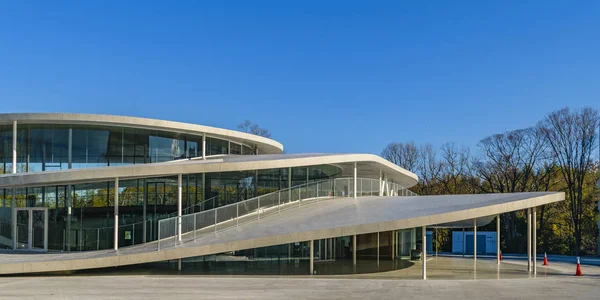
x=325, y=219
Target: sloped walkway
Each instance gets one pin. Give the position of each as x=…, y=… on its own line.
x=332, y=218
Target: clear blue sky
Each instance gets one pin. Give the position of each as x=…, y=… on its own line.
x=322, y=76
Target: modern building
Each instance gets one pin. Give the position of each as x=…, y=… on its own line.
x=82, y=191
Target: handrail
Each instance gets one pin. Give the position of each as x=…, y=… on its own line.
x=165, y=228
x=231, y=215
x=184, y=210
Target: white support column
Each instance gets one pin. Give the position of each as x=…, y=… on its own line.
x=204, y=146
x=289, y=184
x=529, y=239
x=144, y=225
x=179, y=196
x=534, y=240
x=474, y=239
x=424, y=249
x=498, y=239
x=464, y=242
x=13, y=203
x=435, y=242
x=116, y=204
x=387, y=186
x=311, y=249
x=179, y=264
x=378, y=249
x=14, y=150
x=354, y=250
x=355, y=180
x=380, y=183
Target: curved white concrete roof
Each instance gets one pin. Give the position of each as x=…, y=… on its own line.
x=369, y=165
x=265, y=145
x=333, y=218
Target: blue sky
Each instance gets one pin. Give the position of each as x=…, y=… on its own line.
x=322, y=76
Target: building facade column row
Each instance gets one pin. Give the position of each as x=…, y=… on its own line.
x=116, y=204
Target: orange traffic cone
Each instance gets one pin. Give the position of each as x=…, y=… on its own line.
x=578, y=271
x=545, y=259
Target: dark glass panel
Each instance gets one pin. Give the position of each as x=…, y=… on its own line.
x=194, y=146
x=216, y=146
x=48, y=148
x=166, y=147
x=5, y=149
x=90, y=147
x=247, y=150
x=235, y=148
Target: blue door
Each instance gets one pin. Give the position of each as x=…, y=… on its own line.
x=480, y=244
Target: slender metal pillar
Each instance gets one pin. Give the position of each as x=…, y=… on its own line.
x=290, y=184
x=474, y=239
x=116, y=233
x=498, y=239
x=435, y=241
x=424, y=253
x=179, y=196
x=464, y=242
x=355, y=180
x=312, y=256
x=146, y=195
x=380, y=183
x=204, y=146
x=354, y=250
x=14, y=149
x=13, y=203
x=179, y=264
x=69, y=216
x=393, y=246
x=534, y=240
x=378, y=249
x=529, y=239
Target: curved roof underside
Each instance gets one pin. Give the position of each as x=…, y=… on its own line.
x=325, y=219
x=265, y=145
x=368, y=165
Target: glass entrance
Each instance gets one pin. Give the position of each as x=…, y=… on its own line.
x=155, y=198
x=325, y=250
x=31, y=228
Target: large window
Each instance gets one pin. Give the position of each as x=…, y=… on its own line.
x=46, y=147
x=216, y=146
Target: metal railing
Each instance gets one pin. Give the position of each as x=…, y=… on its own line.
x=232, y=215
x=207, y=204
x=212, y=218
x=100, y=238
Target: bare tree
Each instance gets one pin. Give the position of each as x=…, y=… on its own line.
x=514, y=161
x=455, y=168
x=429, y=169
x=572, y=138
x=511, y=160
x=249, y=127
x=403, y=155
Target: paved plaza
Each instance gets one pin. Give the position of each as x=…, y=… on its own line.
x=450, y=278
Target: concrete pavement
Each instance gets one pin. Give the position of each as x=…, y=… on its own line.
x=188, y=287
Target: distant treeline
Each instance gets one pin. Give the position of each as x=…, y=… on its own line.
x=557, y=154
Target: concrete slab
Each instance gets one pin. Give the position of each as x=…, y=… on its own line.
x=325, y=219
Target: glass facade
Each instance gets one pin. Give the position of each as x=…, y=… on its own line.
x=58, y=147
x=80, y=217
x=332, y=256
x=142, y=203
